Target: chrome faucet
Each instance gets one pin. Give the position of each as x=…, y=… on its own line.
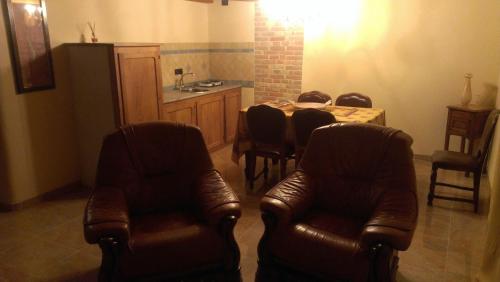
x=179, y=84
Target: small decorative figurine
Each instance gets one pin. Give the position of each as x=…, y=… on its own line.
x=92, y=29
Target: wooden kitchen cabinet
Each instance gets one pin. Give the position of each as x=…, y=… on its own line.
x=181, y=112
x=216, y=114
x=112, y=85
x=210, y=115
x=138, y=73
x=232, y=103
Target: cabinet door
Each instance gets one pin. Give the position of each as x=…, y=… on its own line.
x=181, y=112
x=210, y=112
x=139, y=85
x=232, y=110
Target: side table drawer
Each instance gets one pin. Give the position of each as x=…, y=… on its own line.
x=466, y=122
x=459, y=122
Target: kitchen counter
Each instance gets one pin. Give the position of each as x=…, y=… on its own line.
x=175, y=95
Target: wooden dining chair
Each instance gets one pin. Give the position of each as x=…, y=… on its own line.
x=304, y=123
x=450, y=160
x=354, y=100
x=267, y=128
x=314, y=96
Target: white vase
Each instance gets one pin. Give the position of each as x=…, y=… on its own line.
x=467, y=94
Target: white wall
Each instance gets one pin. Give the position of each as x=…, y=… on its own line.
x=232, y=23
x=409, y=57
x=38, y=151
x=155, y=21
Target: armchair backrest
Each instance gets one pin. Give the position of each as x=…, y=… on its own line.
x=352, y=165
x=155, y=164
x=354, y=100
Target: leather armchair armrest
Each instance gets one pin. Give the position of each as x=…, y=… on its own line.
x=289, y=199
x=393, y=221
x=106, y=215
x=215, y=199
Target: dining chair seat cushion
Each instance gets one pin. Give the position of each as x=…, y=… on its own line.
x=274, y=151
x=454, y=160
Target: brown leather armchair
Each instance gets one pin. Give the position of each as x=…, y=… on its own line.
x=159, y=208
x=346, y=211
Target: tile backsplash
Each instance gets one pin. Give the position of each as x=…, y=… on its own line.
x=223, y=61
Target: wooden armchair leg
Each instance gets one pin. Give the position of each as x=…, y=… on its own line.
x=232, y=259
x=269, y=225
x=432, y=186
x=109, y=247
x=384, y=263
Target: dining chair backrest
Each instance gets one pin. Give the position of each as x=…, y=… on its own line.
x=354, y=100
x=314, y=96
x=267, y=125
x=487, y=136
x=306, y=121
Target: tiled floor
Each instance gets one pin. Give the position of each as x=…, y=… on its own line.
x=45, y=242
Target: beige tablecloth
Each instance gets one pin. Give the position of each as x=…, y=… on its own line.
x=342, y=114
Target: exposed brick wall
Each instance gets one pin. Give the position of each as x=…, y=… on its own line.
x=278, y=59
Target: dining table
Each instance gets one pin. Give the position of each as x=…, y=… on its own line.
x=242, y=142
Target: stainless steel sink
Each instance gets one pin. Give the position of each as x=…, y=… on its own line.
x=194, y=90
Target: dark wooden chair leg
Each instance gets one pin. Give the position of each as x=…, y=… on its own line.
x=252, y=159
x=477, y=183
x=247, y=165
x=298, y=156
x=266, y=168
x=283, y=162
x=432, y=186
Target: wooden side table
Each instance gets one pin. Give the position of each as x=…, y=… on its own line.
x=466, y=122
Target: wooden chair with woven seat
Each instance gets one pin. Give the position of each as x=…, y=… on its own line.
x=315, y=97
x=304, y=123
x=449, y=160
x=267, y=128
x=354, y=100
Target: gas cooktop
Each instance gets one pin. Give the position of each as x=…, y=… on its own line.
x=210, y=83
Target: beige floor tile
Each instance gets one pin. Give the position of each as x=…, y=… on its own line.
x=45, y=242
